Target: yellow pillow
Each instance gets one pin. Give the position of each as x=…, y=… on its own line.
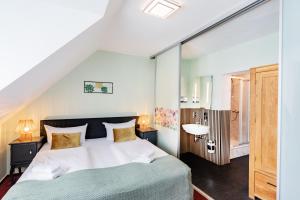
x=124, y=134
x=65, y=140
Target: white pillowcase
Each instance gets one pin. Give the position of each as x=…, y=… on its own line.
x=110, y=126
x=76, y=129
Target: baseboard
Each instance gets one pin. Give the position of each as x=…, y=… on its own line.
x=202, y=193
x=239, y=151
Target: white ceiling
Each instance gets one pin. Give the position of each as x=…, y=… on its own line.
x=133, y=32
x=32, y=30
x=257, y=23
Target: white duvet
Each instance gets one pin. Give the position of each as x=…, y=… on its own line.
x=94, y=153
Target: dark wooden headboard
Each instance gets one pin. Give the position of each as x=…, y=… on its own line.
x=95, y=127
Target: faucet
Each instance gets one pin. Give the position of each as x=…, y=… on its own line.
x=202, y=120
x=205, y=116
x=194, y=114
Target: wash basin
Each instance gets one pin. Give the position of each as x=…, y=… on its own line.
x=196, y=129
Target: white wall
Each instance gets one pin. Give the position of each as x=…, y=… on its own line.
x=290, y=102
x=133, y=79
x=262, y=51
x=167, y=95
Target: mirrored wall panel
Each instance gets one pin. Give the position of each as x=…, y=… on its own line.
x=196, y=91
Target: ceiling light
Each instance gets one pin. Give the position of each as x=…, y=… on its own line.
x=161, y=8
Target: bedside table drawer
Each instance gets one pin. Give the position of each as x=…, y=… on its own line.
x=151, y=137
x=149, y=134
x=23, y=153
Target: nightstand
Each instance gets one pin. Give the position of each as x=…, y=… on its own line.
x=22, y=152
x=149, y=134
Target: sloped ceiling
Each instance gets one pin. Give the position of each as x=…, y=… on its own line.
x=43, y=40
x=32, y=30
x=35, y=79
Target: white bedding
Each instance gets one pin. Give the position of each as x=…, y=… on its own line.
x=94, y=153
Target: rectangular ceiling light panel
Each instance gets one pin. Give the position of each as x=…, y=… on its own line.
x=161, y=8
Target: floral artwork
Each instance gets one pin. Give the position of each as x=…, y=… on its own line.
x=98, y=87
x=167, y=118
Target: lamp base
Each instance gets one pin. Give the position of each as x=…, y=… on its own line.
x=25, y=136
x=143, y=126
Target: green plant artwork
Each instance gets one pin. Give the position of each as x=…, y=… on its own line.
x=104, y=89
x=89, y=88
x=98, y=87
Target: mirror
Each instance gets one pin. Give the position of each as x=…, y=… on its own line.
x=196, y=92
x=205, y=93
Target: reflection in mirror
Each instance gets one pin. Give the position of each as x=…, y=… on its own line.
x=206, y=91
x=196, y=91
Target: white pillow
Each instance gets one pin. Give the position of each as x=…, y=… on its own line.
x=110, y=126
x=76, y=129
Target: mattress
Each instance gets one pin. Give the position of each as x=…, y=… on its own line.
x=94, y=153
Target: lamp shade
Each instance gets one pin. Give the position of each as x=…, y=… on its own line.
x=144, y=121
x=25, y=126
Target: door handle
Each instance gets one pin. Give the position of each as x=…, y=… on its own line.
x=271, y=184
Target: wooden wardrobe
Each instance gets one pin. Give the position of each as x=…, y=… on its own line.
x=263, y=132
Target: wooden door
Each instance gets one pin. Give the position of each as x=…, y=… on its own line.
x=266, y=121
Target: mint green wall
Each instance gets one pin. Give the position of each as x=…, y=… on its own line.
x=133, y=79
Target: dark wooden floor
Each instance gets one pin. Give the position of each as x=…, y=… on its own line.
x=7, y=183
x=228, y=182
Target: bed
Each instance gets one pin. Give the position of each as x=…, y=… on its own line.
x=101, y=169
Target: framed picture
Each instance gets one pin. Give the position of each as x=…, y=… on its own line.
x=98, y=87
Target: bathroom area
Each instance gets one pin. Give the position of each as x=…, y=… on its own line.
x=215, y=101
x=214, y=133
x=214, y=126
x=205, y=132
x=214, y=129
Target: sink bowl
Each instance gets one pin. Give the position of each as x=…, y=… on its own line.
x=196, y=129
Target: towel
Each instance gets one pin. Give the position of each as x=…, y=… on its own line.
x=47, y=169
x=43, y=175
x=146, y=157
x=143, y=159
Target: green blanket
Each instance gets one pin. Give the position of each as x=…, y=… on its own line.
x=166, y=178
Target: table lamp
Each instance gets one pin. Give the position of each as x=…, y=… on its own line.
x=144, y=121
x=25, y=128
